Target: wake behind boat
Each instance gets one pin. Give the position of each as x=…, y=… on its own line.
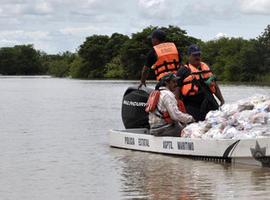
x=251, y=151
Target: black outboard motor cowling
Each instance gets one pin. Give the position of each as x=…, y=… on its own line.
x=133, y=107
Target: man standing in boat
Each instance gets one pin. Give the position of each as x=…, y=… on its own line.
x=165, y=118
x=164, y=57
x=198, y=86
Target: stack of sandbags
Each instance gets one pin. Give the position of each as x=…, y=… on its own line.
x=247, y=118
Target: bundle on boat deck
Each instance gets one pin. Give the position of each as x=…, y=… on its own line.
x=247, y=118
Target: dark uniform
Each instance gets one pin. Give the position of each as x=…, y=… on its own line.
x=197, y=86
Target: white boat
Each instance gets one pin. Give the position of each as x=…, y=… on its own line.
x=244, y=151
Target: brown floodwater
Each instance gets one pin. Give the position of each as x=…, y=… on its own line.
x=54, y=145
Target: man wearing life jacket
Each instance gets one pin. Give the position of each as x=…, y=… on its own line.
x=198, y=86
x=164, y=57
x=165, y=118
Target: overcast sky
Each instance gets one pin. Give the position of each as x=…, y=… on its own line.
x=60, y=25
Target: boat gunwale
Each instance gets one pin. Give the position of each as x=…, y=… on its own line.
x=186, y=138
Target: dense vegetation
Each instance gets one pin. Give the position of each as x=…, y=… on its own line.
x=121, y=57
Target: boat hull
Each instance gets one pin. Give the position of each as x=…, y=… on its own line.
x=244, y=151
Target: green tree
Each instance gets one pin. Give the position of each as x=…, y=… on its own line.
x=264, y=52
x=20, y=60
x=8, y=61
x=93, y=53
x=180, y=38
x=58, y=65
x=28, y=60
x=225, y=57
x=135, y=50
x=115, y=44
x=77, y=67
x=120, y=56
x=115, y=69
x=236, y=59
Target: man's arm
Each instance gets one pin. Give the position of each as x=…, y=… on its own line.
x=170, y=104
x=180, y=57
x=150, y=60
x=144, y=76
x=219, y=95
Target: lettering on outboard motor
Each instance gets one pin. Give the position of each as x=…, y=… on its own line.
x=167, y=145
x=134, y=103
x=129, y=140
x=185, y=146
x=143, y=142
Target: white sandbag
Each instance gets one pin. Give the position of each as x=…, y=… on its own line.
x=232, y=120
x=229, y=109
x=247, y=118
x=255, y=132
x=211, y=133
x=214, y=114
x=263, y=107
x=267, y=106
x=192, y=130
x=243, y=135
x=230, y=132
x=195, y=130
x=257, y=99
x=215, y=118
x=244, y=126
x=244, y=105
x=244, y=116
x=260, y=118
x=266, y=132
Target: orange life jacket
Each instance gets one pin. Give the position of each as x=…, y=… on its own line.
x=189, y=86
x=181, y=106
x=167, y=59
x=152, y=102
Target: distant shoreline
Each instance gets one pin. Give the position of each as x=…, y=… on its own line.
x=135, y=81
x=245, y=83
x=255, y=83
x=25, y=76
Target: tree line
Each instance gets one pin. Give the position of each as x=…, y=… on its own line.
x=122, y=57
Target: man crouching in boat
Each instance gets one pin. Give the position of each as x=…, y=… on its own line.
x=165, y=118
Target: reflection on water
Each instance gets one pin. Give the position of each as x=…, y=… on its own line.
x=54, y=145
x=151, y=176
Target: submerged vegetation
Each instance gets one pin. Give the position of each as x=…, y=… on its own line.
x=121, y=57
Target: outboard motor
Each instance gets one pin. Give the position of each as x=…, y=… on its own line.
x=133, y=107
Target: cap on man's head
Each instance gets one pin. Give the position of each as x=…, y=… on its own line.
x=194, y=49
x=158, y=34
